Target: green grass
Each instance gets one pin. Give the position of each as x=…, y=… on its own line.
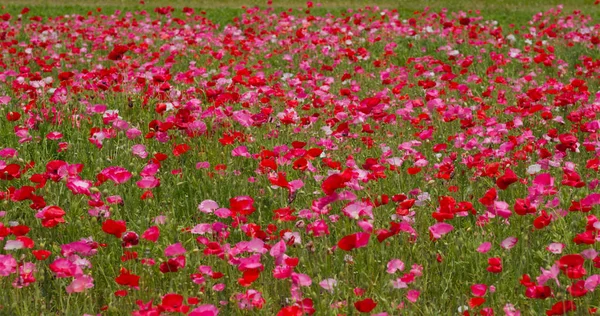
x=222, y=12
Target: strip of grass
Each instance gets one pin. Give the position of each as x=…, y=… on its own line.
x=222, y=12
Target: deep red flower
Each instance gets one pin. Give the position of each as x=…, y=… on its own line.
x=476, y=301
x=561, y=308
x=489, y=197
x=128, y=279
x=365, y=306
x=20, y=230
x=538, y=291
x=180, y=149
x=332, y=183
x=118, y=52
x=115, y=228
x=173, y=303
x=51, y=216
x=173, y=264
x=507, y=179
x=290, y=311
x=524, y=207
x=353, y=241
x=572, y=266
x=567, y=141
x=249, y=276
x=242, y=205
x=13, y=116
x=494, y=265
x=121, y=293
x=543, y=220
x=41, y=254
x=130, y=239
x=577, y=289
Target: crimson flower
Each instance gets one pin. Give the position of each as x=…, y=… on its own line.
x=128, y=279
x=115, y=228
x=561, y=308
x=365, y=306
x=353, y=241
x=494, y=265
x=507, y=179
x=572, y=266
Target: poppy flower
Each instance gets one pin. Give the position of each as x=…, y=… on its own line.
x=538, y=291
x=479, y=289
x=13, y=116
x=476, y=302
x=151, y=234
x=439, y=229
x=51, y=216
x=572, y=266
x=577, y=289
x=353, y=241
x=494, y=265
x=524, y=207
x=489, y=197
x=507, y=179
x=290, y=311
x=128, y=279
x=365, y=306
x=115, y=228
x=118, y=52
x=130, y=239
x=8, y=265
x=80, y=284
x=242, y=205
x=180, y=149
x=561, y=308
x=332, y=183
x=173, y=303
x=173, y=264
x=41, y=254
x=205, y=310
x=543, y=220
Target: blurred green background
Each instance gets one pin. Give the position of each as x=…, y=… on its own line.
x=222, y=11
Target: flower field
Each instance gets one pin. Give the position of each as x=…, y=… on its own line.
x=364, y=161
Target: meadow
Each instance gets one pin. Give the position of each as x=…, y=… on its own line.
x=292, y=158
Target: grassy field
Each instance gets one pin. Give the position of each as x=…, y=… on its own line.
x=504, y=11
x=302, y=164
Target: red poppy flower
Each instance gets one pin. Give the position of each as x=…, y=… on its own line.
x=290, y=311
x=494, y=265
x=538, y=291
x=180, y=149
x=41, y=254
x=128, y=279
x=118, y=52
x=242, y=205
x=476, y=301
x=572, y=266
x=353, y=241
x=332, y=183
x=507, y=179
x=489, y=197
x=115, y=228
x=561, y=308
x=173, y=303
x=365, y=306
x=524, y=207
x=13, y=116
x=542, y=221
x=577, y=289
